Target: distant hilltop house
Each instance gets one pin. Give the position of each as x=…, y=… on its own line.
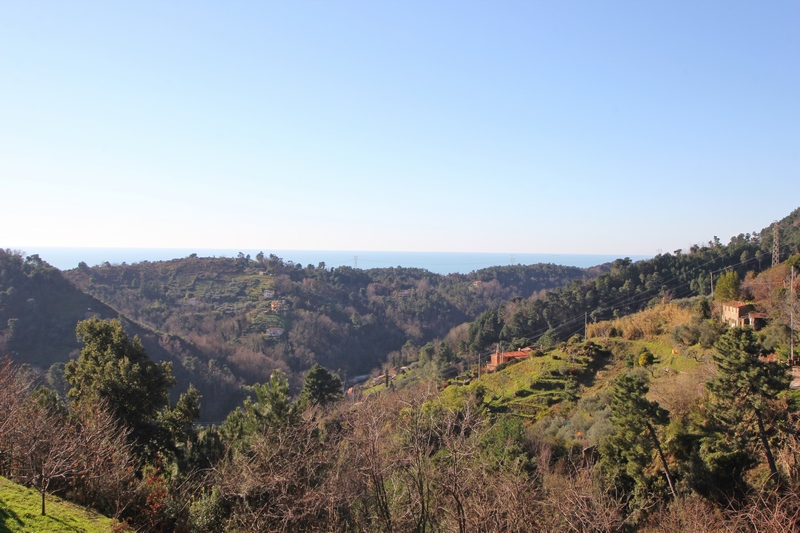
x=499, y=357
x=269, y=293
x=279, y=305
x=391, y=374
x=741, y=314
x=477, y=283
x=274, y=332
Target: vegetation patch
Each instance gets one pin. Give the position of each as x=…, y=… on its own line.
x=21, y=511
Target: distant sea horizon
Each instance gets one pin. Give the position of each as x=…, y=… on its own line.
x=65, y=258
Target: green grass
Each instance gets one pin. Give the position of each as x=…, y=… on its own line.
x=532, y=387
x=21, y=508
x=526, y=389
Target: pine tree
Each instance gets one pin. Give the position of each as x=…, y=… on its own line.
x=115, y=369
x=320, y=387
x=743, y=399
x=629, y=451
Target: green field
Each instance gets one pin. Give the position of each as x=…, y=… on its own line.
x=21, y=508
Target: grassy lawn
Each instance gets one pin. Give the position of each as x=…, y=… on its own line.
x=21, y=508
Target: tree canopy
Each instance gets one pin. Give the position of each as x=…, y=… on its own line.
x=743, y=400
x=320, y=387
x=115, y=369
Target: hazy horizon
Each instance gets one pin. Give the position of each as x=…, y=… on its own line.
x=65, y=258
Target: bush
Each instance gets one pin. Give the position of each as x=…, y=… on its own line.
x=209, y=513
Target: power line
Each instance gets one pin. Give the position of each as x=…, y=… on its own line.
x=647, y=293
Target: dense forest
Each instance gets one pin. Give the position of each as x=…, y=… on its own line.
x=636, y=408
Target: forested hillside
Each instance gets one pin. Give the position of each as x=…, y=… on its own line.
x=39, y=309
x=663, y=420
x=255, y=316
x=638, y=428
x=225, y=322
x=630, y=287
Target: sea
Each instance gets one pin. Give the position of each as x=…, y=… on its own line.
x=437, y=262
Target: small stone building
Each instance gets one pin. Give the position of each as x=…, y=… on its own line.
x=741, y=314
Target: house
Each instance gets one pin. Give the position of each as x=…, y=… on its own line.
x=734, y=312
x=740, y=314
x=499, y=357
x=391, y=374
x=274, y=332
x=279, y=305
x=269, y=293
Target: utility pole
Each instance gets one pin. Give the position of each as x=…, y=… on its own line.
x=585, y=324
x=791, y=320
x=355, y=261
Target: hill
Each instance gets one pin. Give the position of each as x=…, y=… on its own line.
x=656, y=422
x=21, y=511
x=225, y=322
x=630, y=287
x=630, y=430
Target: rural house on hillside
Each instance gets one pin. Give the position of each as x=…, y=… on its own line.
x=740, y=314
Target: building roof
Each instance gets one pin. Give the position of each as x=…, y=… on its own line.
x=735, y=304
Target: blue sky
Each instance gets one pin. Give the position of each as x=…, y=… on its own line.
x=515, y=126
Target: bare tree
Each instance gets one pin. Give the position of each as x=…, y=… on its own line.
x=278, y=482
x=773, y=511
x=687, y=513
x=413, y=464
x=15, y=389
x=46, y=448
x=575, y=503
x=106, y=466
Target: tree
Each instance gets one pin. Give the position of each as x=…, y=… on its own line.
x=15, y=387
x=46, y=449
x=179, y=420
x=106, y=462
x=743, y=399
x=628, y=452
x=646, y=358
x=320, y=387
x=116, y=369
x=727, y=287
x=273, y=408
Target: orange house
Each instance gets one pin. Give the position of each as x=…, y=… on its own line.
x=500, y=357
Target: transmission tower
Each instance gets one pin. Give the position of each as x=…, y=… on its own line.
x=355, y=261
x=776, y=245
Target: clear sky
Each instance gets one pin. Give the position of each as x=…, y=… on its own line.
x=475, y=126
